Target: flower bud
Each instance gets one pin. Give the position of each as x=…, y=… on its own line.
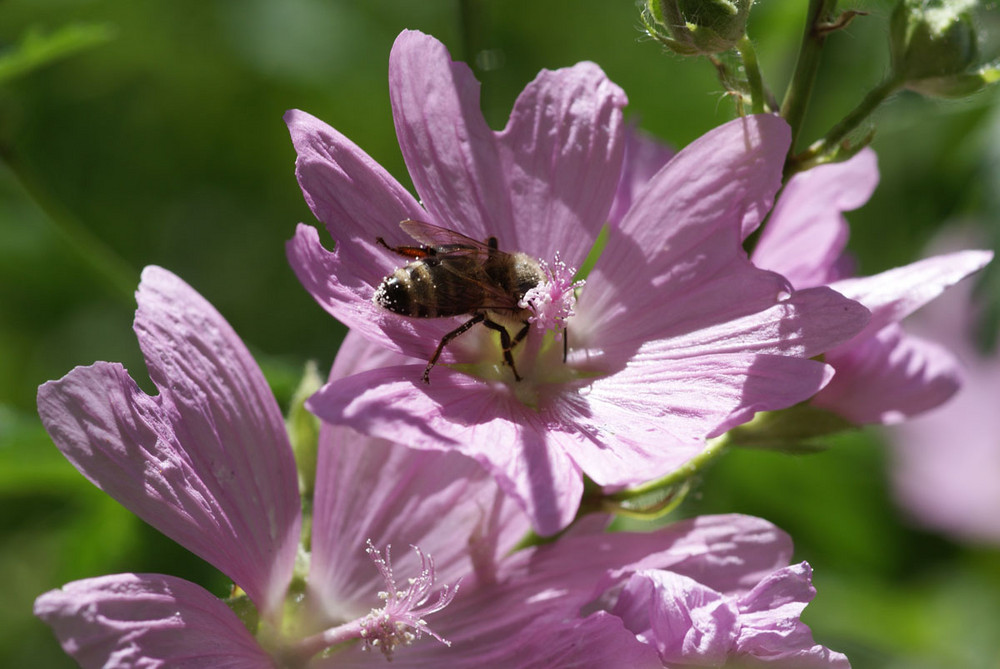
x=696, y=27
x=935, y=48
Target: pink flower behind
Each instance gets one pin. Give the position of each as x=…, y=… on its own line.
x=644, y=157
x=946, y=463
x=675, y=337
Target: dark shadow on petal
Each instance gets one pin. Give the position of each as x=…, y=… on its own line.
x=776, y=382
x=543, y=485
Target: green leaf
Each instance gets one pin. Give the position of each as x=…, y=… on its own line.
x=37, y=49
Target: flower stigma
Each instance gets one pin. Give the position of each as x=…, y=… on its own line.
x=400, y=621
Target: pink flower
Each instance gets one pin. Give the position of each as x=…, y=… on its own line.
x=945, y=462
x=207, y=462
x=675, y=337
x=883, y=375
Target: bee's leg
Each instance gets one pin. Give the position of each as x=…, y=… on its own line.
x=521, y=334
x=565, y=344
x=415, y=252
x=507, y=343
x=478, y=318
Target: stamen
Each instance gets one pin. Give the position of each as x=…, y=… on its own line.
x=400, y=621
x=551, y=302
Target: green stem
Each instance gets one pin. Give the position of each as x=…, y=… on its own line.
x=713, y=449
x=831, y=141
x=665, y=494
x=793, y=108
x=754, y=78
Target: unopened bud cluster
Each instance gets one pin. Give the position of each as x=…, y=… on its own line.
x=935, y=48
x=697, y=27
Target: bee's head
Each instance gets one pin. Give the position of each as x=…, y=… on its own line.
x=528, y=273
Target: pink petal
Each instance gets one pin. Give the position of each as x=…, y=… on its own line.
x=358, y=201
x=896, y=293
x=652, y=416
x=598, y=641
x=148, y=620
x=482, y=420
x=358, y=354
x=688, y=624
x=502, y=633
x=808, y=323
x=770, y=629
x=691, y=624
x=713, y=286
x=729, y=553
x=207, y=461
x=945, y=462
x=669, y=408
x=731, y=172
x=366, y=488
x=449, y=150
x=352, y=194
x=562, y=154
x=806, y=233
x=888, y=377
x=683, y=234
x=540, y=591
x=344, y=295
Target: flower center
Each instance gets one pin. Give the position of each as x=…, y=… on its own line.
x=535, y=337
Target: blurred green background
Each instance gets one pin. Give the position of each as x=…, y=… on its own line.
x=156, y=138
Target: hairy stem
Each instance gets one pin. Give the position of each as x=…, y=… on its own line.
x=831, y=141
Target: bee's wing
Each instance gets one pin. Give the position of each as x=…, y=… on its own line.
x=464, y=257
x=443, y=238
x=473, y=285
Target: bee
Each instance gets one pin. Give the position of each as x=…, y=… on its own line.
x=452, y=275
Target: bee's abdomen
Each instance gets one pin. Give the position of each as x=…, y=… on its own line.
x=393, y=294
x=424, y=290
